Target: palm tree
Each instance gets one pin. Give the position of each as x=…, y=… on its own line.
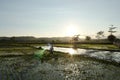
x=111, y=30
x=111, y=37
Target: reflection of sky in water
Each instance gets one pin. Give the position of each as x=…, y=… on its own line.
x=76, y=51
x=71, y=51
x=105, y=55
x=67, y=50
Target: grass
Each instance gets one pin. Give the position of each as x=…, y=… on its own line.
x=27, y=48
x=24, y=50
x=24, y=47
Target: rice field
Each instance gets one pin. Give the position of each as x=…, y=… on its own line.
x=62, y=67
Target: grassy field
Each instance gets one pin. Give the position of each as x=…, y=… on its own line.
x=58, y=65
x=29, y=47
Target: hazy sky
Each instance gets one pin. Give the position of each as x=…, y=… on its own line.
x=54, y=17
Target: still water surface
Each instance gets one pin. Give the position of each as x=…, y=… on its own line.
x=105, y=55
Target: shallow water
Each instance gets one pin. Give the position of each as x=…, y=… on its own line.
x=62, y=68
x=99, y=54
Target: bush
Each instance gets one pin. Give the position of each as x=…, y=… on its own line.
x=111, y=38
x=88, y=38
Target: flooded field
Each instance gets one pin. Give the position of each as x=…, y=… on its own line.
x=111, y=56
x=63, y=67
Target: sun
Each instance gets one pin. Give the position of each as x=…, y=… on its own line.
x=71, y=30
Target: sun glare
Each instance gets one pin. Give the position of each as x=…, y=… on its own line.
x=71, y=51
x=71, y=30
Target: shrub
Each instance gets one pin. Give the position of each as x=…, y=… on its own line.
x=111, y=38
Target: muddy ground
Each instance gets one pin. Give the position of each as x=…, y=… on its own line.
x=63, y=67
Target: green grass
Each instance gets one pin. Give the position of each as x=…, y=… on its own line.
x=17, y=46
x=98, y=46
x=29, y=47
x=18, y=49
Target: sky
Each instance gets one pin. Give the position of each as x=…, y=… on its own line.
x=58, y=18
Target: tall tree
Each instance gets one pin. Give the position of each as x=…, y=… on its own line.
x=111, y=37
x=111, y=29
x=88, y=38
x=75, y=38
x=100, y=34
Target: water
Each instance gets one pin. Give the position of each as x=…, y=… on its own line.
x=67, y=50
x=64, y=68
x=99, y=54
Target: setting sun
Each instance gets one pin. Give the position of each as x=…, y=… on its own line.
x=71, y=30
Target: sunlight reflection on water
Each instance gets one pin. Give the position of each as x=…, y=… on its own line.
x=105, y=55
x=71, y=51
x=67, y=50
